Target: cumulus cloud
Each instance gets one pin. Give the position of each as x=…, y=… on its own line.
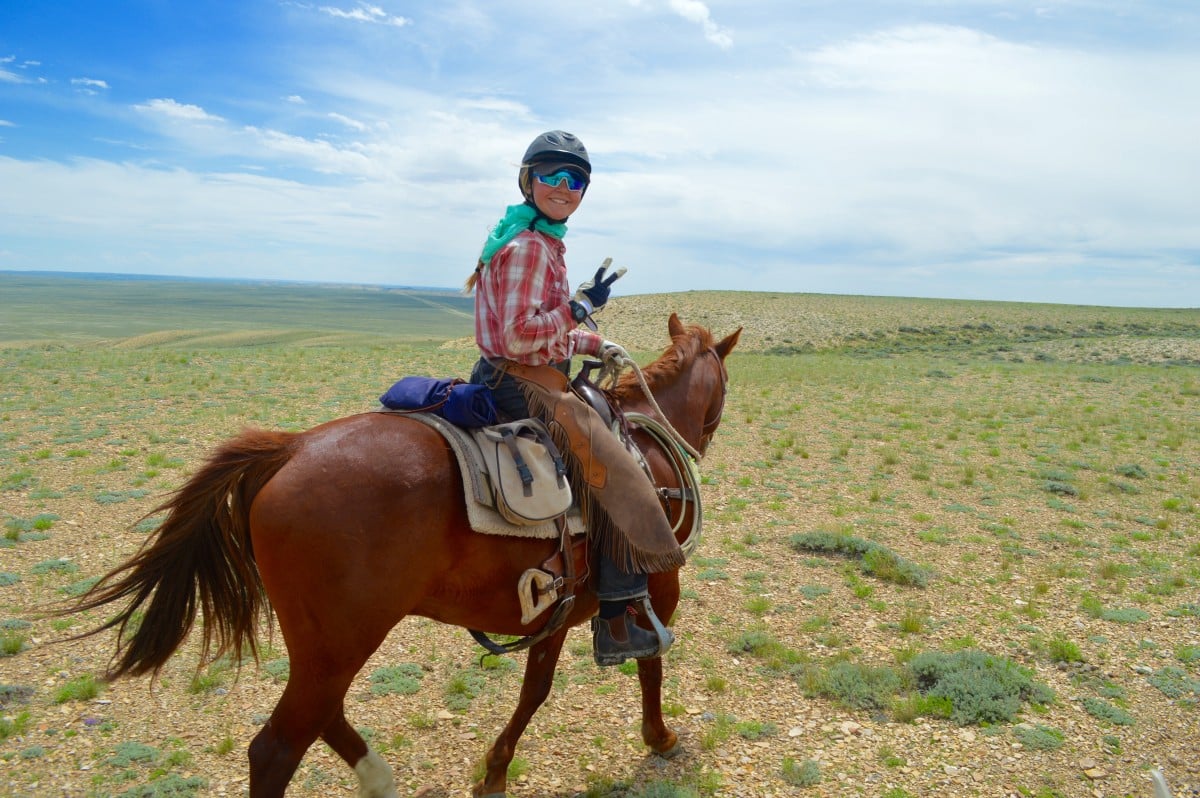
x=367, y=13
x=926, y=159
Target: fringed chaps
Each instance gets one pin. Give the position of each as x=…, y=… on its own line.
x=617, y=501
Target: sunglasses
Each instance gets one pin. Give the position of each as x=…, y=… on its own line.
x=574, y=181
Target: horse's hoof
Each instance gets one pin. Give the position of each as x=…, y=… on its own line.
x=476, y=794
x=672, y=751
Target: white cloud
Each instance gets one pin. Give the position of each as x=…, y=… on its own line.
x=697, y=12
x=354, y=124
x=925, y=159
x=315, y=154
x=89, y=83
x=367, y=13
x=6, y=123
x=177, y=111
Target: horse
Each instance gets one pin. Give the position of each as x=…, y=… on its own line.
x=344, y=529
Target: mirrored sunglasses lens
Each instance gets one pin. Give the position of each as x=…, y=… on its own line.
x=573, y=181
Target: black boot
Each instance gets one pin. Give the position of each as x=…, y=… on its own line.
x=618, y=639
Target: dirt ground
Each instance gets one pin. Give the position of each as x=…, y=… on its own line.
x=740, y=721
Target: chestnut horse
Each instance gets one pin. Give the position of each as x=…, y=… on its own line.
x=345, y=529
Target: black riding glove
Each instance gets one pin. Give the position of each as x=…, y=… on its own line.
x=593, y=294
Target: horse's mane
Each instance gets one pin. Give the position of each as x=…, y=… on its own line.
x=684, y=348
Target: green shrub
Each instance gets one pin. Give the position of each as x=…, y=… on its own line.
x=278, y=669
x=125, y=754
x=1063, y=650
x=660, y=789
x=981, y=688
x=59, y=566
x=1039, y=737
x=85, y=688
x=14, y=726
x=801, y=774
x=403, y=679
x=169, y=786
x=755, y=729
x=760, y=644
x=462, y=689
x=1187, y=654
x=1125, y=615
x=11, y=643
x=1174, y=682
x=7, y=578
x=80, y=587
x=859, y=686
x=911, y=707
x=875, y=559
x=1099, y=708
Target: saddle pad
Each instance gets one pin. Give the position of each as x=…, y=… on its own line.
x=480, y=512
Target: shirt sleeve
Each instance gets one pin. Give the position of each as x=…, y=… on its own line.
x=586, y=343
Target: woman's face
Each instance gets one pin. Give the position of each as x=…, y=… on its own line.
x=556, y=202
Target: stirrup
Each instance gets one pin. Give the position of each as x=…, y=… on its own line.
x=665, y=636
x=602, y=638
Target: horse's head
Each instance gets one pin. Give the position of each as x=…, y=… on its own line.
x=688, y=381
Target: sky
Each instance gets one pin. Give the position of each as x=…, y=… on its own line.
x=1034, y=151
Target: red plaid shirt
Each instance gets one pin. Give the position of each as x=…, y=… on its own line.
x=522, y=309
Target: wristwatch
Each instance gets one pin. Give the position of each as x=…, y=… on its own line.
x=578, y=312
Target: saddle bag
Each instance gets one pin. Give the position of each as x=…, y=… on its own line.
x=461, y=403
x=528, y=478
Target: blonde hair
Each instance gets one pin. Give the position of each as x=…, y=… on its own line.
x=469, y=285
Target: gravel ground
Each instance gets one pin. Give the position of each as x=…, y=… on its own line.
x=740, y=722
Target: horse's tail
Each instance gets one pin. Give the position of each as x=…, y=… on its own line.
x=200, y=559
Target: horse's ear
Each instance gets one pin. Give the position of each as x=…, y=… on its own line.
x=675, y=326
x=726, y=345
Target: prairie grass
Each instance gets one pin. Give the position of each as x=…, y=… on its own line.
x=875, y=497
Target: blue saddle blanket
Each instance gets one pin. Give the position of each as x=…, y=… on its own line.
x=461, y=403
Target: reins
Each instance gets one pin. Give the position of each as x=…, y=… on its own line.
x=611, y=371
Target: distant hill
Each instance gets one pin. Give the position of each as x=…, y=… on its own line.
x=126, y=311
x=74, y=307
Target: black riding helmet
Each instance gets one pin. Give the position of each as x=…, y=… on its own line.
x=551, y=151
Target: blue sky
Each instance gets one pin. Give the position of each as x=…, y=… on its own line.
x=984, y=149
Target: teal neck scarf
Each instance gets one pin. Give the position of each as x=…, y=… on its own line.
x=517, y=219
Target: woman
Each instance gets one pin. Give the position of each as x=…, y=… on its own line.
x=526, y=326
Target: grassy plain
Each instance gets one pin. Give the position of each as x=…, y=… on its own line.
x=1041, y=464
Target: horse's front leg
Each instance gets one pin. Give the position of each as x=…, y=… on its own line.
x=664, y=595
x=539, y=679
x=655, y=732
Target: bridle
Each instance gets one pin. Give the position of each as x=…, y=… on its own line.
x=709, y=427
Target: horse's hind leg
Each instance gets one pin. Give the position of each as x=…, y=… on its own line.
x=311, y=706
x=375, y=778
x=539, y=679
